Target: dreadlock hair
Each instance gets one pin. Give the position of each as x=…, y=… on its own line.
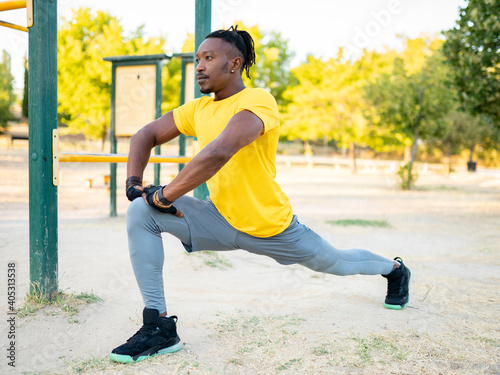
x=241, y=44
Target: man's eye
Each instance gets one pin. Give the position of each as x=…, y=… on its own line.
x=197, y=61
x=209, y=57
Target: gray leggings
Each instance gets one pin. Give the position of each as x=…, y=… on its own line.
x=204, y=228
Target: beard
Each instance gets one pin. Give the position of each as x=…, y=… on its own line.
x=206, y=90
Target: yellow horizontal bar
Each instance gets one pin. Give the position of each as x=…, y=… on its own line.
x=13, y=26
x=11, y=5
x=118, y=158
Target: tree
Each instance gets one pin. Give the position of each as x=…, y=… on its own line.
x=462, y=131
x=84, y=79
x=414, y=100
x=272, y=65
x=472, y=48
x=327, y=101
x=7, y=96
x=171, y=77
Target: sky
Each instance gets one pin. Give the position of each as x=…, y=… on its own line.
x=318, y=27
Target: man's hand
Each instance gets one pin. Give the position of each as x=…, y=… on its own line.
x=133, y=187
x=152, y=195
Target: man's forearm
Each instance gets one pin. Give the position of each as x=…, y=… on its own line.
x=138, y=156
x=155, y=133
x=199, y=170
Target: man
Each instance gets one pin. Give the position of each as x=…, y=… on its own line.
x=238, y=130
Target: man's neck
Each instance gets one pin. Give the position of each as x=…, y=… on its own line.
x=229, y=90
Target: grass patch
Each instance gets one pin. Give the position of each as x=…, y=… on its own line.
x=439, y=188
x=215, y=260
x=360, y=222
x=368, y=350
x=288, y=364
x=67, y=303
x=89, y=364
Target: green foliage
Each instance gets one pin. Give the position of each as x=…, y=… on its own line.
x=413, y=101
x=472, y=49
x=7, y=96
x=407, y=177
x=272, y=65
x=84, y=79
x=328, y=101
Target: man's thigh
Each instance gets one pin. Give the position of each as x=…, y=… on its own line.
x=296, y=244
x=209, y=230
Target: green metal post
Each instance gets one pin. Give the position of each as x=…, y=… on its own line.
x=182, y=100
x=112, y=141
x=43, y=233
x=157, y=166
x=202, y=27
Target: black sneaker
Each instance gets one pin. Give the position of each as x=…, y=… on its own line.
x=398, y=287
x=156, y=336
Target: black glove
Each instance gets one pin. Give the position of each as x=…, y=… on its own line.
x=133, y=193
x=131, y=187
x=155, y=199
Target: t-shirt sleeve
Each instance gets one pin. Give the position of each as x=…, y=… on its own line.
x=184, y=118
x=261, y=103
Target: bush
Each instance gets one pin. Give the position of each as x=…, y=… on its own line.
x=407, y=176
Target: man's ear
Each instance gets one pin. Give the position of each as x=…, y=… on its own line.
x=236, y=64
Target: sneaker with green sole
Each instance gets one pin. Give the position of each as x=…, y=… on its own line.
x=158, y=335
x=398, y=287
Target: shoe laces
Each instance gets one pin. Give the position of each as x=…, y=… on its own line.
x=394, y=285
x=144, y=332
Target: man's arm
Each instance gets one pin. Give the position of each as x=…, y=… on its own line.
x=243, y=128
x=155, y=133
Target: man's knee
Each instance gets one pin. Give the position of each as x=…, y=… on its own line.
x=137, y=213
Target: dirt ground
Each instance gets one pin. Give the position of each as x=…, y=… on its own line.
x=244, y=314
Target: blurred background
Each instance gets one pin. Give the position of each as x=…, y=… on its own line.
x=416, y=83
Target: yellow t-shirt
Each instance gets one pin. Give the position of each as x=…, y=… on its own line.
x=244, y=190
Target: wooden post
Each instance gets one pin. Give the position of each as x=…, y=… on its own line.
x=43, y=232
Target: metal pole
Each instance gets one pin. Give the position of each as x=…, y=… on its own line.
x=182, y=100
x=157, y=167
x=112, y=141
x=202, y=27
x=43, y=233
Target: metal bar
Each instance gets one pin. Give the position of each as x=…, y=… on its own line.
x=117, y=158
x=112, y=141
x=11, y=5
x=13, y=26
x=202, y=27
x=29, y=13
x=43, y=230
x=158, y=98
x=182, y=100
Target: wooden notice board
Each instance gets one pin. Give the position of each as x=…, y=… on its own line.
x=135, y=98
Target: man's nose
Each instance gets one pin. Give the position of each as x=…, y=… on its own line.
x=200, y=67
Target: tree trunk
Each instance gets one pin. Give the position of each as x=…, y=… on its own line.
x=415, y=146
x=352, y=146
x=471, y=157
x=450, y=166
x=413, y=155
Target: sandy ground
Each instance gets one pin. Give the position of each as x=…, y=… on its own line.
x=244, y=314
